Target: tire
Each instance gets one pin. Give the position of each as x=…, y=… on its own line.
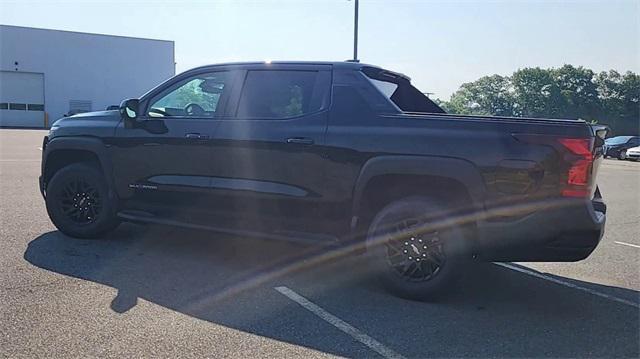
x=75, y=186
x=621, y=155
x=414, y=264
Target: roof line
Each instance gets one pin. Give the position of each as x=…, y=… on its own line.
x=283, y=62
x=85, y=33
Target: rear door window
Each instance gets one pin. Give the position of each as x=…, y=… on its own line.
x=281, y=94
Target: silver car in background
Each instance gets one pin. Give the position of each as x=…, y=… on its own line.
x=633, y=153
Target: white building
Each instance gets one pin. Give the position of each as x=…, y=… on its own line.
x=45, y=74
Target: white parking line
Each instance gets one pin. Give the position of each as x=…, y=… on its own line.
x=627, y=244
x=339, y=323
x=568, y=284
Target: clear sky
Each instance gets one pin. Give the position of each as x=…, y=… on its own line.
x=440, y=44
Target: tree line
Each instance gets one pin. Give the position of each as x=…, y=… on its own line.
x=608, y=97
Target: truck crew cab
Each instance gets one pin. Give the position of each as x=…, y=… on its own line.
x=338, y=152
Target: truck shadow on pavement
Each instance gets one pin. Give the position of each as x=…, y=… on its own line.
x=492, y=311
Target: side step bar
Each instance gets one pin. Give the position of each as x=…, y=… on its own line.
x=286, y=236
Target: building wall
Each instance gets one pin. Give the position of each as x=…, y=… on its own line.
x=87, y=67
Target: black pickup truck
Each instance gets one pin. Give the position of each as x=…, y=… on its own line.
x=337, y=152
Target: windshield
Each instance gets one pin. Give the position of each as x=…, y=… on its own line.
x=618, y=140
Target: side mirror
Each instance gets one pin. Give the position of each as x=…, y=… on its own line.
x=129, y=110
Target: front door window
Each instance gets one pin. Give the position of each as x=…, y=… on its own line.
x=197, y=96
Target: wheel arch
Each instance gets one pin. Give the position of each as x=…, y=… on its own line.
x=63, y=151
x=454, y=180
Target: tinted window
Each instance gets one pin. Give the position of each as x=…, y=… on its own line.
x=35, y=107
x=196, y=96
x=18, y=106
x=387, y=88
x=278, y=94
x=399, y=90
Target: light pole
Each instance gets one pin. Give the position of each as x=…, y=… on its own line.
x=355, y=33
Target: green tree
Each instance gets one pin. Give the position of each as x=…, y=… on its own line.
x=536, y=93
x=579, y=93
x=489, y=95
x=567, y=92
x=619, y=99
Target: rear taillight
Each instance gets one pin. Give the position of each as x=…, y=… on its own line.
x=579, y=173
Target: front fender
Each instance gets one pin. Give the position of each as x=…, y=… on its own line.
x=78, y=143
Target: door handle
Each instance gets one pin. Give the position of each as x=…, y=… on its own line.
x=196, y=136
x=300, y=140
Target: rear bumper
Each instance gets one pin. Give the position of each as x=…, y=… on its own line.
x=568, y=232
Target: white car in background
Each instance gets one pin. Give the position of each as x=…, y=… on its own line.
x=633, y=153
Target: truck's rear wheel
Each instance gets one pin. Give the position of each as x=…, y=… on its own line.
x=78, y=202
x=410, y=253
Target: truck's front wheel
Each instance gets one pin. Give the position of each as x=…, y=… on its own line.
x=78, y=202
x=410, y=249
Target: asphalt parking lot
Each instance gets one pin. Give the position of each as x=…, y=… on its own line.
x=164, y=292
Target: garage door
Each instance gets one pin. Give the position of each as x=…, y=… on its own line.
x=21, y=99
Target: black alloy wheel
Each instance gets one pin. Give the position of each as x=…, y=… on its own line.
x=410, y=254
x=79, y=201
x=415, y=256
